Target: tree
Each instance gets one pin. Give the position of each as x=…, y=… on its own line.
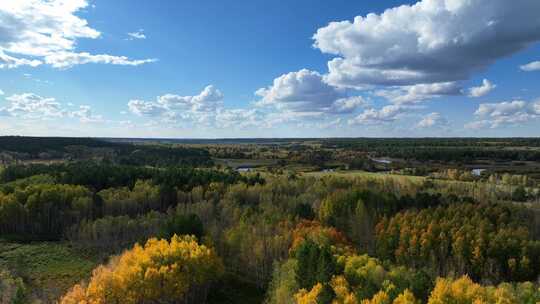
x=304, y=211
x=178, y=271
x=180, y=224
x=406, y=297
x=519, y=194
x=315, y=264
x=309, y=297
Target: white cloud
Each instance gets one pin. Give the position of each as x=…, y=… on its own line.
x=202, y=110
x=85, y=115
x=431, y=41
x=494, y=115
x=273, y=119
x=384, y=115
x=239, y=118
x=1, y=92
x=173, y=106
x=35, y=32
x=33, y=106
x=480, y=124
x=9, y=62
x=145, y=108
x=208, y=100
x=535, y=107
x=29, y=105
x=500, y=109
x=420, y=92
x=307, y=91
x=432, y=120
x=323, y=125
x=68, y=59
x=482, y=90
x=137, y=35
x=347, y=105
x=532, y=66
x=330, y=124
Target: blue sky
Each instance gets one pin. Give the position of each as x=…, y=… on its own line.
x=270, y=69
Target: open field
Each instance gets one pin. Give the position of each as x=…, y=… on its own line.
x=48, y=269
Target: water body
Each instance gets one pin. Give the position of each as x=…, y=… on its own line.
x=382, y=160
x=477, y=172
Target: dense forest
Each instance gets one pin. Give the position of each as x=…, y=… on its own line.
x=186, y=227
x=19, y=149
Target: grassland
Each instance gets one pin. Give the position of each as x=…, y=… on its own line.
x=48, y=269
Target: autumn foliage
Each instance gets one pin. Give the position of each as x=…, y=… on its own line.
x=315, y=231
x=483, y=241
x=464, y=290
x=161, y=271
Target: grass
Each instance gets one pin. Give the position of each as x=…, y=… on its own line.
x=48, y=269
x=235, y=163
x=359, y=173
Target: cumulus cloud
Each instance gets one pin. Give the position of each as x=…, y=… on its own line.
x=33, y=106
x=482, y=90
x=431, y=41
x=307, y=91
x=384, y=115
x=35, y=32
x=85, y=115
x=532, y=66
x=494, y=115
x=501, y=109
x=420, y=92
x=239, y=118
x=29, y=105
x=479, y=124
x=204, y=109
x=136, y=35
x=535, y=107
x=432, y=120
x=323, y=125
x=145, y=108
x=347, y=105
x=172, y=105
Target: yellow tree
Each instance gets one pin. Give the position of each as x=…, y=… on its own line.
x=161, y=271
x=308, y=297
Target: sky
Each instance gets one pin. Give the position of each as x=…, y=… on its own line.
x=259, y=68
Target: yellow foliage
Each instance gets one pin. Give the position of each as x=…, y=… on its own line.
x=379, y=298
x=159, y=271
x=463, y=290
x=342, y=290
x=308, y=297
x=406, y=297
x=77, y=295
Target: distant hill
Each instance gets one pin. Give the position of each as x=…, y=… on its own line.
x=33, y=145
x=77, y=148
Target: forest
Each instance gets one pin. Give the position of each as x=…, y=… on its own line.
x=269, y=221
